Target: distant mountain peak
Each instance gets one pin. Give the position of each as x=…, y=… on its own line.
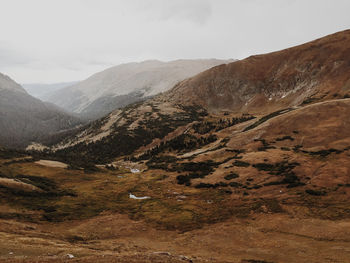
x=121, y=85
x=6, y=83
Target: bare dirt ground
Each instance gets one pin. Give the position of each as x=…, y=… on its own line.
x=116, y=238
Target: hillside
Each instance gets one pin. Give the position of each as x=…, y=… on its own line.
x=293, y=150
x=315, y=71
x=121, y=85
x=259, y=85
x=246, y=162
x=48, y=213
x=24, y=118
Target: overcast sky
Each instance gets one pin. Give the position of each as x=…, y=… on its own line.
x=49, y=41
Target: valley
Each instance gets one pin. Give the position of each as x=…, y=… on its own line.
x=245, y=162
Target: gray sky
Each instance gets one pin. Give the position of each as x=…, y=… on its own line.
x=62, y=40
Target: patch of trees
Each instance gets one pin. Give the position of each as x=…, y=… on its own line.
x=285, y=148
x=241, y=164
x=324, y=153
x=315, y=192
x=162, y=162
x=195, y=169
x=321, y=153
x=231, y=176
x=219, y=184
x=181, y=143
x=237, y=151
x=124, y=141
x=284, y=169
x=309, y=100
x=287, y=137
x=216, y=185
x=265, y=145
x=210, y=126
x=267, y=117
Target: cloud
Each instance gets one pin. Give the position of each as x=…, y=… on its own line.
x=196, y=11
x=64, y=40
x=11, y=57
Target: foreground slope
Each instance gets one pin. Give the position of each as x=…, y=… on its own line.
x=259, y=195
x=121, y=85
x=24, y=118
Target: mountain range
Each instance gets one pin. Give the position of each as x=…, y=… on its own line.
x=58, y=108
x=259, y=85
x=42, y=91
x=121, y=85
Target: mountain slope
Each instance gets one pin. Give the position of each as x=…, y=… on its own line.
x=285, y=156
x=259, y=85
x=315, y=71
x=233, y=178
x=24, y=119
x=127, y=83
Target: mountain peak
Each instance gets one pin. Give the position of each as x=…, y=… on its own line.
x=6, y=83
x=121, y=85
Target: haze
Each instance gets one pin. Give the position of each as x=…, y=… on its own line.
x=55, y=41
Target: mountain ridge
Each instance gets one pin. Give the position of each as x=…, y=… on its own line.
x=286, y=77
x=126, y=83
x=24, y=118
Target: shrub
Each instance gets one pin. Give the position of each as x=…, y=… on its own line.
x=287, y=137
x=315, y=192
x=241, y=164
x=231, y=176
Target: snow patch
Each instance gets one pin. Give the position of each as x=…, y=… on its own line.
x=131, y=196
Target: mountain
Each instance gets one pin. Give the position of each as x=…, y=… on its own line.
x=265, y=135
x=245, y=162
x=43, y=91
x=312, y=72
x=121, y=85
x=270, y=126
x=24, y=118
x=259, y=85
